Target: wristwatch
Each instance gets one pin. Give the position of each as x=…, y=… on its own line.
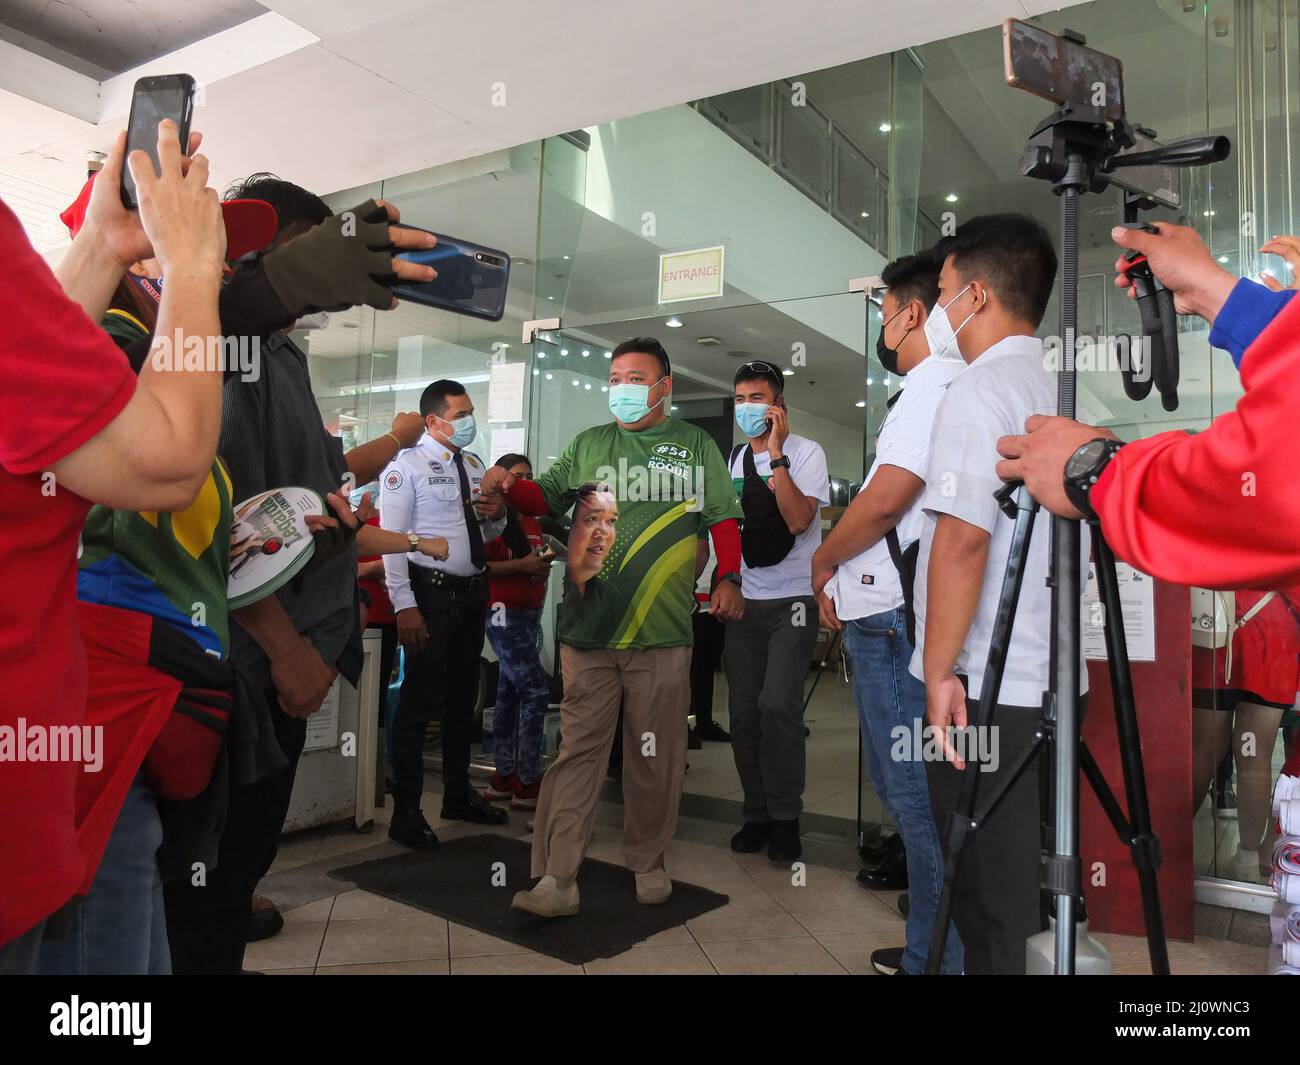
x=1083, y=469
x=782, y=463
x=733, y=576
x=413, y=540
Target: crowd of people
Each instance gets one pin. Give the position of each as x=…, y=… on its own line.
x=121, y=471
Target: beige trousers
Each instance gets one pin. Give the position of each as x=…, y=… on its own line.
x=654, y=688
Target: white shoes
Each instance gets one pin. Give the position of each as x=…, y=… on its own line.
x=548, y=899
x=653, y=887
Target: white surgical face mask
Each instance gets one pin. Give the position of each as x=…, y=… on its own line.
x=940, y=333
x=319, y=320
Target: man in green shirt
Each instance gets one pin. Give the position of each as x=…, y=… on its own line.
x=626, y=636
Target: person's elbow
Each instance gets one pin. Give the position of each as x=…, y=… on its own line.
x=799, y=524
x=174, y=492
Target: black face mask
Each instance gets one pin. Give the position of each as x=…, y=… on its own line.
x=889, y=356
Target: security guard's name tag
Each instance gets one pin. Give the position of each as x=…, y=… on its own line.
x=442, y=480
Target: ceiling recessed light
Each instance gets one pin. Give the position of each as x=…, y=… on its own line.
x=536, y=372
x=587, y=386
x=951, y=197
x=870, y=381
x=1223, y=258
x=550, y=377
x=866, y=214
x=586, y=354
x=788, y=373
x=550, y=297
x=564, y=351
x=860, y=403
x=604, y=388
x=568, y=257
x=609, y=354
x=884, y=127
x=674, y=322
x=541, y=354
x=674, y=406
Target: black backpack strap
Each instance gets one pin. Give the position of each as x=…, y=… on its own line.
x=750, y=469
x=906, y=567
x=734, y=452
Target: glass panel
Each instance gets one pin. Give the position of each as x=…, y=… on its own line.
x=803, y=144
x=746, y=114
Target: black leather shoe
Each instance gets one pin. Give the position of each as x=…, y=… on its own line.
x=410, y=829
x=693, y=741
x=752, y=838
x=875, y=856
x=711, y=730
x=474, y=808
x=888, y=961
x=784, y=845
x=904, y=904
x=263, y=924
x=892, y=876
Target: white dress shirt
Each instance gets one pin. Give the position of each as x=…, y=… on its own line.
x=868, y=583
x=420, y=493
x=988, y=399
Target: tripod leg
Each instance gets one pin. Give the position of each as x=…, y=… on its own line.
x=961, y=822
x=1143, y=842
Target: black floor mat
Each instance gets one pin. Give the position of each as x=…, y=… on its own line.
x=456, y=882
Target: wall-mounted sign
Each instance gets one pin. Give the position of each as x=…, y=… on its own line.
x=691, y=275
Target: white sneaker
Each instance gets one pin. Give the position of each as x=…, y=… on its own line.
x=653, y=887
x=548, y=899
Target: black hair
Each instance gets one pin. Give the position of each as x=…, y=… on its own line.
x=294, y=205
x=433, y=400
x=513, y=459
x=1013, y=255
x=914, y=277
x=761, y=371
x=645, y=346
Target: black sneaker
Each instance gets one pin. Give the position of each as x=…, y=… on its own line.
x=693, y=741
x=711, y=730
x=752, y=838
x=474, y=808
x=888, y=961
x=784, y=845
x=410, y=829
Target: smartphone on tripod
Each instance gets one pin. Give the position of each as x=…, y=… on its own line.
x=1062, y=70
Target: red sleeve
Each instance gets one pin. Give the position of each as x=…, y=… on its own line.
x=63, y=377
x=726, y=545
x=1218, y=509
x=527, y=498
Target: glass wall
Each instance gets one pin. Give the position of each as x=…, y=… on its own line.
x=806, y=184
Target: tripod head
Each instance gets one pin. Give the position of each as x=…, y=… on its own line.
x=1078, y=150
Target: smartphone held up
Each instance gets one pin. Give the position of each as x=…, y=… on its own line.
x=154, y=99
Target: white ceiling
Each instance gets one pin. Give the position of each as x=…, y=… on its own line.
x=335, y=93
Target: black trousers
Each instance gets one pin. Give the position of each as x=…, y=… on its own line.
x=441, y=681
x=207, y=922
x=705, y=659
x=996, y=904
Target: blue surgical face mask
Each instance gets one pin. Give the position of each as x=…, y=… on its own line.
x=628, y=403
x=750, y=418
x=464, y=430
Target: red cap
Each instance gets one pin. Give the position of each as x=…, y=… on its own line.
x=250, y=224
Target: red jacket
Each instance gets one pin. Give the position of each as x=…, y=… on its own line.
x=1221, y=508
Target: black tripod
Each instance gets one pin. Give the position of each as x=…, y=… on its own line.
x=1073, y=151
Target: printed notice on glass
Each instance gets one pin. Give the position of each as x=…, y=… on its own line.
x=691, y=275
x=506, y=392
x=323, y=725
x=507, y=442
x=1137, y=600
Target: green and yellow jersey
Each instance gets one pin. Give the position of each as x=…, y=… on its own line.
x=671, y=483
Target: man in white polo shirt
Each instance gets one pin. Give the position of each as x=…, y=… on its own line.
x=782, y=483
x=994, y=287
x=866, y=566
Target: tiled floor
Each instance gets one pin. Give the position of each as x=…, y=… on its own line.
x=770, y=925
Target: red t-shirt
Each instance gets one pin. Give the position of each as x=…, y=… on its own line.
x=381, y=607
x=62, y=379
x=517, y=590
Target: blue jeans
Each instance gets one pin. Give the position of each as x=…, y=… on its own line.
x=523, y=694
x=120, y=928
x=890, y=698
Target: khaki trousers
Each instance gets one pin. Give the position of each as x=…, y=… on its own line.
x=654, y=689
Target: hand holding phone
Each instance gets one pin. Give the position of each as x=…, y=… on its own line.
x=155, y=98
x=470, y=279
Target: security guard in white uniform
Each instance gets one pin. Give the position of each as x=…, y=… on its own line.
x=432, y=489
